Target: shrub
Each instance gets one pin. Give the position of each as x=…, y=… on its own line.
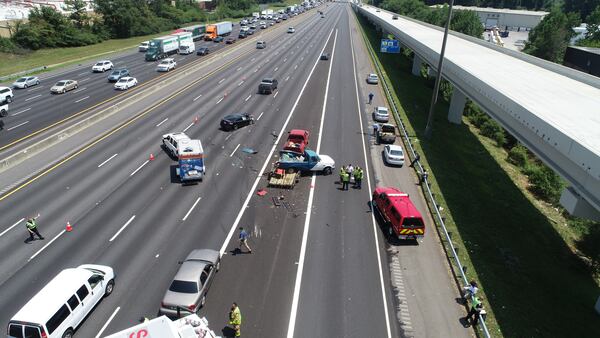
x=518, y=156
x=545, y=183
x=7, y=45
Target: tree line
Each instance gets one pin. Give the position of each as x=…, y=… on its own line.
x=48, y=28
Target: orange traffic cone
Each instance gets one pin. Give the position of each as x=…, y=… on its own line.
x=151, y=157
x=69, y=227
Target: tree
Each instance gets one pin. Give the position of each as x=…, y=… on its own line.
x=583, y=7
x=550, y=38
x=593, y=25
x=78, y=12
x=466, y=22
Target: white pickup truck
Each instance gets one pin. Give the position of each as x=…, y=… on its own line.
x=191, y=326
x=3, y=109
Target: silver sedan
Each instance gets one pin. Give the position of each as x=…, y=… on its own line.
x=25, y=82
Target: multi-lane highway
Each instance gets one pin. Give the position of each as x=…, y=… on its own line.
x=320, y=264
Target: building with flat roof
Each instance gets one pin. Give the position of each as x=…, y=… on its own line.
x=511, y=19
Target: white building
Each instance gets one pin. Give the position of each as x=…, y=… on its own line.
x=513, y=19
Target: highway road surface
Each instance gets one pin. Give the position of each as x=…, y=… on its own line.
x=320, y=265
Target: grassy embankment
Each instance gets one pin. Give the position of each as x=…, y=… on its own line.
x=534, y=283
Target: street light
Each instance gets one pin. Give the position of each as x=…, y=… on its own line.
x=438, y=78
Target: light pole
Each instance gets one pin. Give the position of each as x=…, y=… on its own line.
x=438, y=78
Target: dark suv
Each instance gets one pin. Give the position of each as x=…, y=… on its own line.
x=267, y=86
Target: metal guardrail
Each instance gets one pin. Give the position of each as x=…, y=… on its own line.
x=25, y=72
x=423, y=178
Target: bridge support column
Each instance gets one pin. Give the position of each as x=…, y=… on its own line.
x=416, y=68
x=457, y=106
x=431, y=72
x=577, y=205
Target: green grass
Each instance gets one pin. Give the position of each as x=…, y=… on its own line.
x=535, y=286
x=61, y=57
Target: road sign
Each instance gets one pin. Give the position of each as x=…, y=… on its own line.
x=390, y=46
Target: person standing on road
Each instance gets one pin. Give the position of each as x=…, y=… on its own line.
x=476, y=308
x=32, y=228
x=244, y=239
x=417, y=158
x=342, y=171
x=235, y=319
x=371, y=97
x=358, y=175
x=345, y=179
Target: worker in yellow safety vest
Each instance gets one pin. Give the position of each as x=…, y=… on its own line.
x=235, y=319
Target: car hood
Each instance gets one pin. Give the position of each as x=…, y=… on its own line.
x=57, y=87
x=181, y=299
x=327, y=160
x=113, y=76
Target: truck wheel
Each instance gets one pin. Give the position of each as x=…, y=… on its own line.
x=327, y=171
x=3, y=113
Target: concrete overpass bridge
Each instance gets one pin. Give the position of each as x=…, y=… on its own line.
x=553, y=110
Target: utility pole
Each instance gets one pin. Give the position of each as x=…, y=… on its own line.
x=438, y=78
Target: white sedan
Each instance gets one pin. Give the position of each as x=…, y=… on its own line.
x=126, y=82
x=393, y=154
x=381, y=114
x=166, y=65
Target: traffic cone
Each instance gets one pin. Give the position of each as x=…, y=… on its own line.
x=69, y=227
x=151, y=157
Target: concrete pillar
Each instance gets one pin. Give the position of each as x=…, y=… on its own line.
x=431, y=72
x=457, y=106
x=416, y=68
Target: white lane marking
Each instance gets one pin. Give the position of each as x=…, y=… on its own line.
x=12, y=226
x=221, y=99
x=33, y=97
x=140, y=167
x=87, y=78
x=302, y=58
x=284, y=60
x=45, y=246
x=287, y=78
x=241, y=83
x=266, y=163
x=192, y=208
x=85, y=98
x=276, y=68
x=277, y=92
x=188, y=127
x=238, y=69
x=108, y=322
x=79, y=90
x=221, y=81
x=256, y=70
x=110, y=158
x=163, y=121
x=233, y=152
x=22, y=111
x=81, y=74
x=34, y=88
x=122, y=228
x=17, y=126
x=259, y=116
x=197, y=97
x=252, y=59
x=295, y=67
x=298, y=283
x=375, y=227
x=248, y=98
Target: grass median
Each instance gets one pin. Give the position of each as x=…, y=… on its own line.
x=534, y=284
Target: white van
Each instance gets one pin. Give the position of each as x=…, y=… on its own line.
x=58, y=309
x=261, y=44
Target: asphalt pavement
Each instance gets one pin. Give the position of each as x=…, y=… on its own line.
x=320, y=264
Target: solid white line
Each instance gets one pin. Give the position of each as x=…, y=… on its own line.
x=22, y=111
x=375, y=228
x=192, y=208
x=85, y=98
x=221, y=81
x=17, y=126
x=266, y=163
x=122, y=228
x=79, y=90
x=259, y=116
x=277, y=92
x=197, y=97
x=188, y=127
x=236, y=148
x=45, y=246
x=108, y=322
x=248, y=98
x=140, y=167
x=298, y=283
x=241, y=83
x=12, y=226
x=163, y=121
x=110, y=158
x=221, y=99
x=33, y=97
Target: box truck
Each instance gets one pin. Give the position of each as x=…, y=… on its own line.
x=162, y=47
x=186, y=43
x=196, y=30
x=218, y=29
